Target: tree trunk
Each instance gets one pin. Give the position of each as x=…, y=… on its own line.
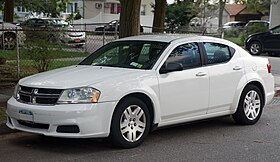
x=221, y=10
x=159, y=16
x=129, y=18
x=9, y=11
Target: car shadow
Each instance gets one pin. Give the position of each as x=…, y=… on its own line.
x=77, y=146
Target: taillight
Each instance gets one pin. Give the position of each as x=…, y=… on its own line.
x=269, y=68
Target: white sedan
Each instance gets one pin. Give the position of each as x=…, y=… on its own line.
x=134, y=85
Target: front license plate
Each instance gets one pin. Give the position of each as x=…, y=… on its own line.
x=26, y=115
x=77, y=40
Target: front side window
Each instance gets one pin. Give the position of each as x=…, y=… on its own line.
x=127, y=54
x=187, y=55
x=217, y=53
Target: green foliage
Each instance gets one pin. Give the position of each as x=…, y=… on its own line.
x=78, y=16
x=180, y=14
x=231, y=32
x=55, y=53
x=236, y=40
x=39, y=53
x=256, y=28
x=49, y=8
x=261, y=6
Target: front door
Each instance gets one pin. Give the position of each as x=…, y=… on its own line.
x=184, y=94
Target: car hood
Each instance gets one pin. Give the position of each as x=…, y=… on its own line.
x=75, y=76
x=9, y=26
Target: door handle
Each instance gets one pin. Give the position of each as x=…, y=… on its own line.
x=200, y=74
x=237, y=68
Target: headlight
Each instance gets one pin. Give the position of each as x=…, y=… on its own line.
x=16, y=95
x=79, y=95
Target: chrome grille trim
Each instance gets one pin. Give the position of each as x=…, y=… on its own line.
x=39, y=96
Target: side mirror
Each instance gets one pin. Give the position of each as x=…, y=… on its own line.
x=170, y=67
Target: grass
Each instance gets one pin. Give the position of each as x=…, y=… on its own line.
x=55, y=54
x=237, y=41
x=28, y=67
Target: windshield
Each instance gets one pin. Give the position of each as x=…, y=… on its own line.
x=127, y=54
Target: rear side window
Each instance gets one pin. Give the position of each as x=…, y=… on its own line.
x=218, y=53
x=187, y=55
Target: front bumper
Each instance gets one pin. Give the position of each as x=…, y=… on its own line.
x=93, y=120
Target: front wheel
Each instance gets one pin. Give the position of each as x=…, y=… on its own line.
x=130, y=123
x=250, y=106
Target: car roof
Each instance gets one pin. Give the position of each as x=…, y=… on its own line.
x=169, y=38
x=234, y=22
x=265, y=21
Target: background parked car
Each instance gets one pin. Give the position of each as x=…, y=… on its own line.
x=268, y=41
x=69, y=36
x=111, y=27
x=233, y=28
x=8, y=35
x=256, y=26
x=239, y=25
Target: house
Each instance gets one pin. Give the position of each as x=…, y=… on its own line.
x=94, y=7
x=239, y=12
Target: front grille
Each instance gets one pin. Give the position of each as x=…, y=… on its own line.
x=42, y=96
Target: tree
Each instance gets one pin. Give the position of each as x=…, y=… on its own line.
x=159, y=16
x=47, y=7
x=222, y=4
x=261, y=6
x=9, y=11
x=180, y=13
x=129, y=18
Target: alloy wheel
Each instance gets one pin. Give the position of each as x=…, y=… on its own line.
x=252, y=105
x=9, y=42
x=133, y=123
x=255, y=48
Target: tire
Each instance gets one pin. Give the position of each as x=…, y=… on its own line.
x=250, y=106
x=9, y=42
x=128, y=130
x=255, y=48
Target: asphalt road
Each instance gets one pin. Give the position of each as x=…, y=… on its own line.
x=275, y=62
x=213, y=140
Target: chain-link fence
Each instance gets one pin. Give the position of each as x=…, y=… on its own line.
x=26, y=52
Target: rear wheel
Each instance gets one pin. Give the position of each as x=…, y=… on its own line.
x=250, y=106
x=255, y=48
x=130, y=123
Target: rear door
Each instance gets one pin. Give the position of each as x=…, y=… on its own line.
x=225, y=71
